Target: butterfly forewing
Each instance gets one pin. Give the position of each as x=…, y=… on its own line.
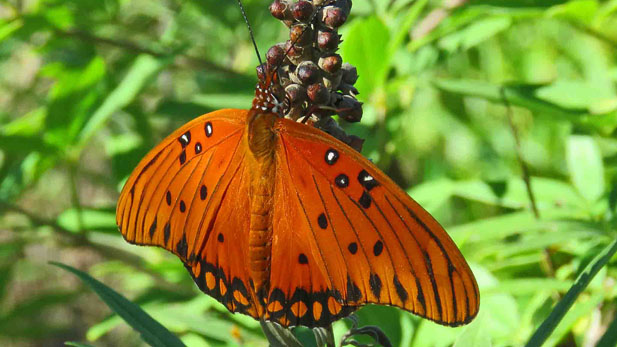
x=189, y=196
x=376, y=245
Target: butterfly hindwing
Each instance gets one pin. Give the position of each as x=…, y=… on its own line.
x=371, y=242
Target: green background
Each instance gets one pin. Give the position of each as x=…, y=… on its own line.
x=88, y=87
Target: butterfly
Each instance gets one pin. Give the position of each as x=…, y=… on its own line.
x=280, y=221
x=283, y=222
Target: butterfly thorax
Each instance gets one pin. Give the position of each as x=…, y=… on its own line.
x=261, y=141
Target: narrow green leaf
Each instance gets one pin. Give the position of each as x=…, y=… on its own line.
x=514, y=95
x=151, y=331
x=76, y=344
x=564, y=305
x=278, y=336
x=143, y=69
x=585, y=165
x=609, y=338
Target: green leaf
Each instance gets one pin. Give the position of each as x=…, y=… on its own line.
x=143, y=70
x=515, y=96
x=93, y=219
x=564, y=305
x=475, y=33
x=151, y=331
x=476, y=334
x=575, y=94
x=278, y=336
x=366, y=47
x=609, y=339
x=585, y=166
x=76, y=344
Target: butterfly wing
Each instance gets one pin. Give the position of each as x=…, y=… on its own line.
x=356, y=238
x=178, y=198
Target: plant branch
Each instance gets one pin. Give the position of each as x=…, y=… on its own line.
x=133, y=47
x=519, y=154
x=80, y=240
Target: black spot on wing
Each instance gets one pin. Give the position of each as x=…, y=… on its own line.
x=354, y=293
x=331, y=156
x=378, y=248
x=153, y=228
x=429, y=267
x=375, y=284
x=203, y=192
x=185, y=139
x=167, y=232
x=342, y=181
x=365, y=200
x=182, y=157
x=302, y=259
x=182, y=247
x=353, y=248
x=367, y=181
x=322, y=221
x=400, y=290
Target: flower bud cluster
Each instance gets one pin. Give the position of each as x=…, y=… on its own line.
x=312, y=78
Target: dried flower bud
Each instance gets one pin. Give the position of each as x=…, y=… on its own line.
x=307, y=72
x=318, y=94
x=301, y=34
x=350, y=109
x=280, y=10
x=333, y=81
x=296, y=94
x=327, y=40
x=355, y=142
x=350, y=73
x=331, y=63
x=302, y=10
x=275, y=55
x=348, y=89
x=261, y=72
x=293, y=51
x=333, y=17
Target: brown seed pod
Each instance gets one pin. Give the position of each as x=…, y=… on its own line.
x=312, y=78
x=275, y=55
x=318, y=94
x=350, y=109
x=301, y=34
x=331, y=63
x=302, y=10
x=296, y=94
x=327, y=40
x=333, y=17
x=280, y=10
x=350, y=73
x=308, y=72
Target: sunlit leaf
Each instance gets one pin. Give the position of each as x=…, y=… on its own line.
x=585, y=166
x=151, y=331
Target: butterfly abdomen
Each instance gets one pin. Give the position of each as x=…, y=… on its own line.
x=262, y=168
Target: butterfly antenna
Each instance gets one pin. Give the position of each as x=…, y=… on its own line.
x=250, y=31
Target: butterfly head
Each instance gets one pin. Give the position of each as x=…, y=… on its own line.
x=265, y=100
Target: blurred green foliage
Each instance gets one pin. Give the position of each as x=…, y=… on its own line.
x=88, y=87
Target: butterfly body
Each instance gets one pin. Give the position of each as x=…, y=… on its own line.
x=280, y=221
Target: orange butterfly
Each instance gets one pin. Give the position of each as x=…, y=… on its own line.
x=280, y=221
